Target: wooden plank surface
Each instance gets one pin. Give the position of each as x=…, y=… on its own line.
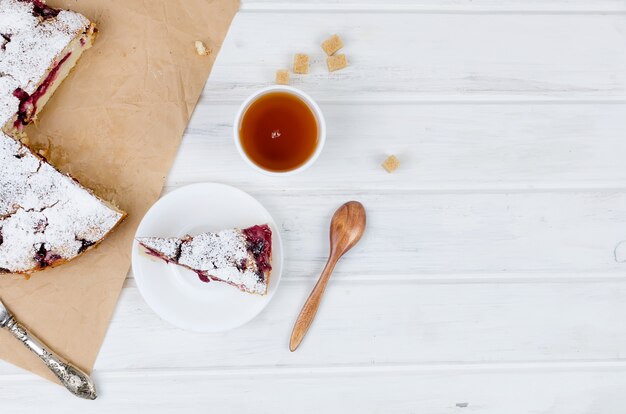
x=400, y=57
x=413, y=233
x=445, y=390
x=446, y=146
x=491, y=278
x=483, y=6
x=365, y=323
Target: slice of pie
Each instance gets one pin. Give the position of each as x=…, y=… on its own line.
x=241, y=258
x=39, y=46
x=46, y=217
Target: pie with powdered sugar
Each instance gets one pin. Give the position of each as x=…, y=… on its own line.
x=241, y=258
x=39, y=46
x=46, y=217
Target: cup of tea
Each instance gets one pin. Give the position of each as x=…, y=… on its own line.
x=279, y=130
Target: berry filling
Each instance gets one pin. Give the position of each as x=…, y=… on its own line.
x=40, y=9
x=44, y=257
x=206, y=278
x=161, y=256
x=259, y=239
x=28, y=103
x=203, y=277
x=84, y=245
x=154, y=253
x=7, y=39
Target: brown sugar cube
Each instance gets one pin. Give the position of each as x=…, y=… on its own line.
x=282, y=77
x=391, y=163
x=201, y=49
x=336, y=62
x=301, y=63
x=332, y=44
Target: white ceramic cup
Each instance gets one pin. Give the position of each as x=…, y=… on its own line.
x=321, y=127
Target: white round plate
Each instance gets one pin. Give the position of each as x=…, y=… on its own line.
x=176, y=294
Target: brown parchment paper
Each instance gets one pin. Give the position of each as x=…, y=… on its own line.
x=115, y=124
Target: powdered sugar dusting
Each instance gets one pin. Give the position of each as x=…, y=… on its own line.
x=220, y=256
x=167, y=248
x=8, y=103
x=29, y=46
x=208, y=251
x=45, y=215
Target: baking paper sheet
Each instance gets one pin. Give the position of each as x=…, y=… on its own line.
x=115, y=124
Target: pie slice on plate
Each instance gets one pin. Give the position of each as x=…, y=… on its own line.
x=241, y=258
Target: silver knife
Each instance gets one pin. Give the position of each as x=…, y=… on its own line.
x=75, y=380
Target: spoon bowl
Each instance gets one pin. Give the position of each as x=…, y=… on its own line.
x=346, y=227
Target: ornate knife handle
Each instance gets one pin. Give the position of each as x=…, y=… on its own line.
x=74, y=379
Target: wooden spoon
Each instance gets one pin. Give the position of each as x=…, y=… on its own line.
x=346, y=229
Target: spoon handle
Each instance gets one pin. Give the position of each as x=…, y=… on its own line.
x=310, y=307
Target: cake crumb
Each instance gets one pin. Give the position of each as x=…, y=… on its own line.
x=282, y=77
x=201, y=48
x=301, y=63
x=332, y=44
x=391, y=163
x=336, y=62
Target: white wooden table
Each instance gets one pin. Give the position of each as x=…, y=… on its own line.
x=492, y=276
